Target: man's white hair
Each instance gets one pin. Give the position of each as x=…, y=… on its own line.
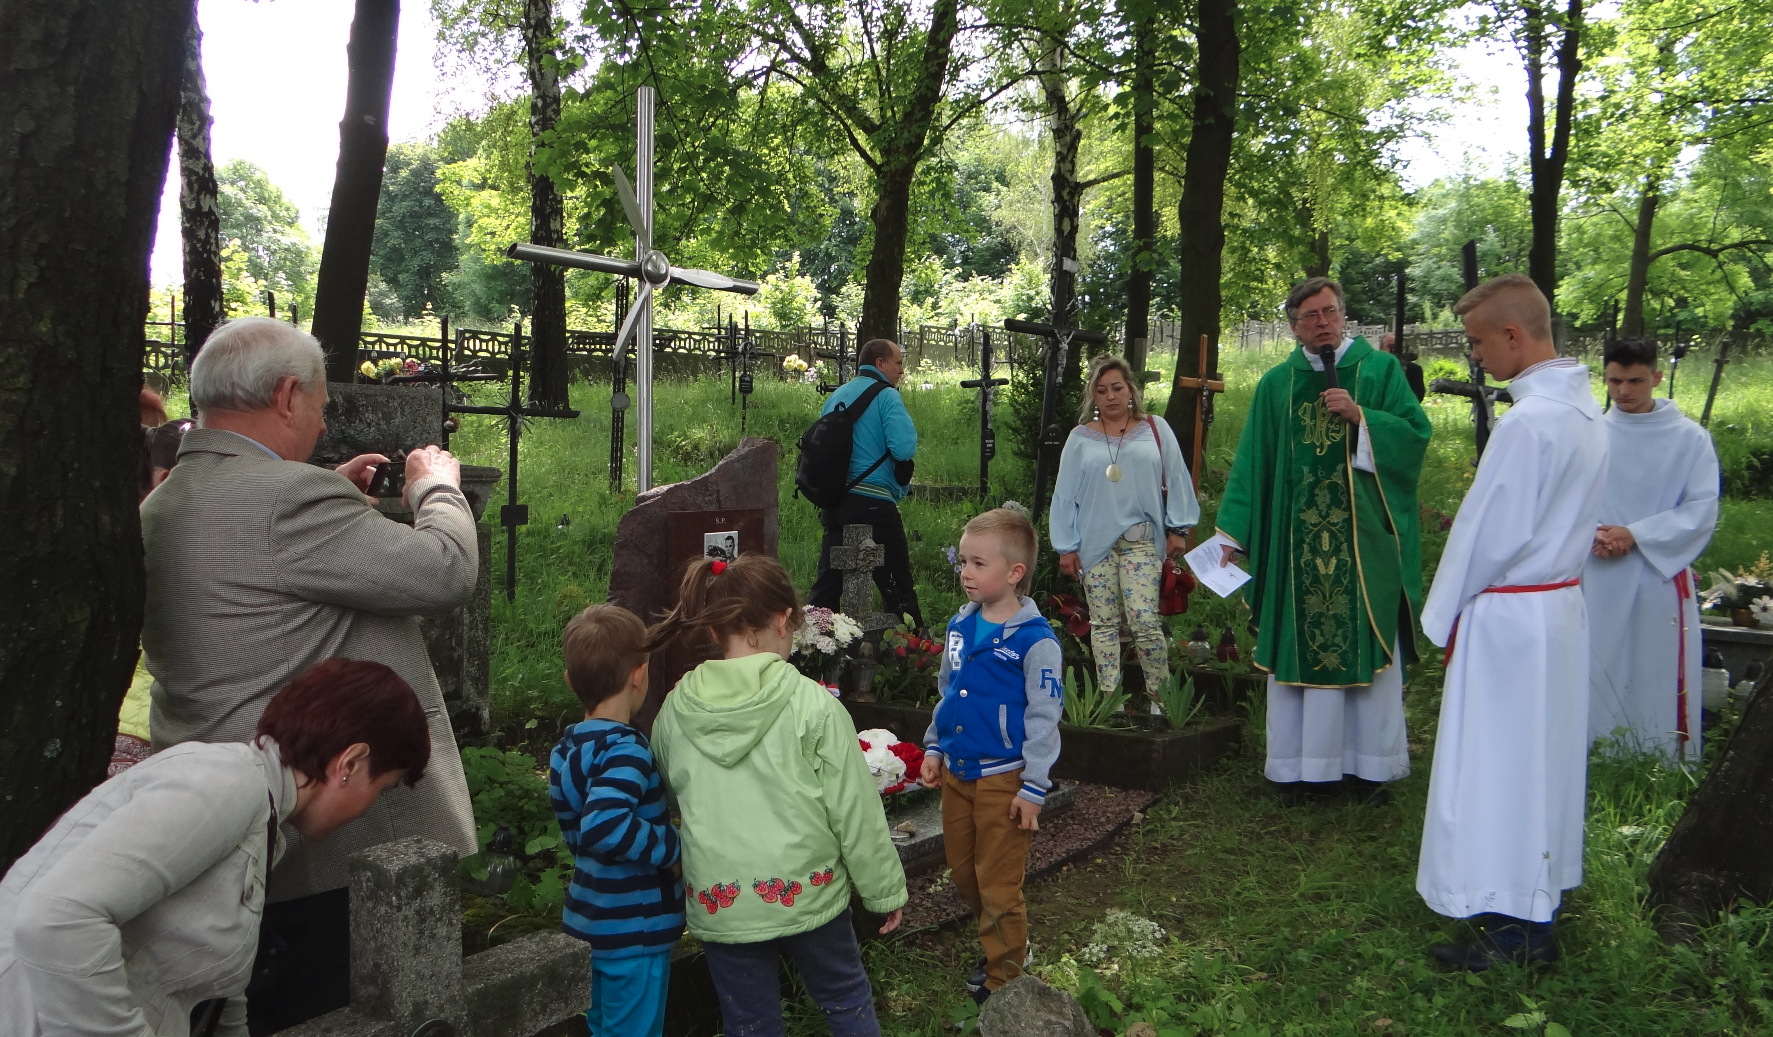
x=242, y=361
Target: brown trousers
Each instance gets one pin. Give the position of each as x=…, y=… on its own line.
x=988, y=859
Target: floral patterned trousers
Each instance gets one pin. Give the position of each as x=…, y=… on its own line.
x=1127, y=582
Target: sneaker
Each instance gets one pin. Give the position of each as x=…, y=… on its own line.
x=976, y=978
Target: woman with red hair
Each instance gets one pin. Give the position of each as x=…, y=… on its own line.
x=138, y=911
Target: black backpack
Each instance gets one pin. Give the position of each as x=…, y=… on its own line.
x=825, y=451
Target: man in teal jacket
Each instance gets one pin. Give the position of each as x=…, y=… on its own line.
x=884, y=441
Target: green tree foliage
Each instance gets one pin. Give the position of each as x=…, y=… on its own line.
x=273, y=248
x=415, y=242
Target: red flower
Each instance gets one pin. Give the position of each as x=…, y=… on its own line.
x=911, y=754
x=864, y=744
x=1075, y=613
x=899, y=651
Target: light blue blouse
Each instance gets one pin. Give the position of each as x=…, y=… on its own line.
x=1090, y=513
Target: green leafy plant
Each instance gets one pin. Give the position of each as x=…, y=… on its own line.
x=1085, y=705
x=1533, y=1020
x=509, y=789
x=1180, y=700
x=908, y=665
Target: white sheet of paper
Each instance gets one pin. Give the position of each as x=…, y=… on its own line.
x=1220, y=579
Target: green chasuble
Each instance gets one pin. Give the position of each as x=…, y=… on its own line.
x=1335, y=553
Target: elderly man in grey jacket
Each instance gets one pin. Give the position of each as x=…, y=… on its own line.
x=259, y=566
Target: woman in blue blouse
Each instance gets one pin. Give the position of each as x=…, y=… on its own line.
x=1110, y=511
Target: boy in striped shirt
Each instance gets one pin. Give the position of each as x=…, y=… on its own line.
x=626, y=898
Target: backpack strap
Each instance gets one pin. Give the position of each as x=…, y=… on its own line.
x=853, y=414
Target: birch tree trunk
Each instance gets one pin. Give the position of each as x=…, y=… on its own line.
x=548, y=361
x=91, y=94
x=1144, y=259
x=1063, y=120
x=200, y=221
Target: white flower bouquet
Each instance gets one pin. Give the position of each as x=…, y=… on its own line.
x=825, y=632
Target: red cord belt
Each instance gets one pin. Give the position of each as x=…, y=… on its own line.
x=1523, y=588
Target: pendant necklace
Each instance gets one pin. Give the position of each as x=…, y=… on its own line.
x=1114, y=472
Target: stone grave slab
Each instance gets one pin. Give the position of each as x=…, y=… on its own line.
x=378, y=419
x=407, y=967
x=924, y=849
x=640, y=581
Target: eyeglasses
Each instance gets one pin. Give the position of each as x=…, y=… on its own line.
x=1311, y=316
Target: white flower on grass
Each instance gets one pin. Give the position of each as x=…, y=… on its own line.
x=1138, y=937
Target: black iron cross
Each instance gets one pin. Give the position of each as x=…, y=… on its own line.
x=512, y=514
x=1052, y=437
x=987, y=435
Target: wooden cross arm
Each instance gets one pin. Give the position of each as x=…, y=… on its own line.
x=1210, y=384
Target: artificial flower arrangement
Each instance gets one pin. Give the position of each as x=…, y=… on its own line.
x=820, y=641
x=894, y=764
x=388, y=367
x=908, y=665
x=1747, y=595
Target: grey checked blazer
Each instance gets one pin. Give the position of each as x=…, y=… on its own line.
x=258, y=568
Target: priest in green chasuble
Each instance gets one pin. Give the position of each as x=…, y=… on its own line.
x=1322, y=501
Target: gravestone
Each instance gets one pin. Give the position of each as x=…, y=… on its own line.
x=407, y=967
x=858, y=557
x=645, y=570
x=388, y=420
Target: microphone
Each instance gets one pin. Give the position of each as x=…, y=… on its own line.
x=1328, y=356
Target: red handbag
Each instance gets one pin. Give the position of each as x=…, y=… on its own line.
x=1176, y=583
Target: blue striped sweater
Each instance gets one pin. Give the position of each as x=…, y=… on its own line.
x=605, y=790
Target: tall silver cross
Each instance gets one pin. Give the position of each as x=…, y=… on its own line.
x=649, y=266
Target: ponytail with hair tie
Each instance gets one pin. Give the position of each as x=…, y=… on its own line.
x=752, y=591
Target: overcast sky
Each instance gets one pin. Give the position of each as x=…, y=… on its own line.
x=276, y=72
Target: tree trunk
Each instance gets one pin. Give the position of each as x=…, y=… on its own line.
x=1144, y=258
x=1637, y=279
x=91, y=95
x=1547, y=163
x=899, y=146
x=1721, y=850
x=1062, y=119
x=200, y=221
x=356, y=186
x=1201, y=240
x=548, y=363
x=1319, y=265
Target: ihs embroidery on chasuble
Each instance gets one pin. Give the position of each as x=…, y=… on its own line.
x=1327, y=565
x=1322, y=428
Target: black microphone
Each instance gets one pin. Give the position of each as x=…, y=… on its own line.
x=1328, y=356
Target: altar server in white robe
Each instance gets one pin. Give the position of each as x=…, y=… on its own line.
x=1503, y=835
x=1659, y=512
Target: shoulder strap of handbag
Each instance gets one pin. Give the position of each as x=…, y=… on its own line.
x=1163, y=471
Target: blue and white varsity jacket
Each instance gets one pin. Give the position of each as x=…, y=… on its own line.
x=605, y=790
x=1001, y=702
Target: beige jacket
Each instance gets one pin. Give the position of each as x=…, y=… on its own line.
x=144, y=899
x=258, y=568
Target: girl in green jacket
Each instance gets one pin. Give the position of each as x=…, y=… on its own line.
x=780, y=816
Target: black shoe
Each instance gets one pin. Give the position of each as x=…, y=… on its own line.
x=1368, y=793
x=980, y=996
x=976, y=978
x=1292, y=793
x=1487, y=951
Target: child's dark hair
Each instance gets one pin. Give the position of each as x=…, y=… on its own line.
x=602, y=645
x=742, y=596
x=1630, y=351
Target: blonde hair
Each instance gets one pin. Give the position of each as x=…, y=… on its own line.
x=1015, y=536
x=1098, y=367
x=1510, y=299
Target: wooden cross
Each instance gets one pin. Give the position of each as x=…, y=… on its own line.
x=1203, y=410
x=858, y=558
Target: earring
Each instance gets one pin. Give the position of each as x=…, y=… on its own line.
x=346, y=780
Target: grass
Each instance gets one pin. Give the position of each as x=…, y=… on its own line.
x=1280, y=922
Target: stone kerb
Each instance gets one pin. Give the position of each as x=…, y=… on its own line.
x=407, y=967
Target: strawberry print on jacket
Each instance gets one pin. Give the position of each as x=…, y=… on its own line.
x=777, y=891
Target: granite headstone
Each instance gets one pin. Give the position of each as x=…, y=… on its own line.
x=643, y=579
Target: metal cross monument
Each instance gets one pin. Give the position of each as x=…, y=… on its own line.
x=650, y=267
